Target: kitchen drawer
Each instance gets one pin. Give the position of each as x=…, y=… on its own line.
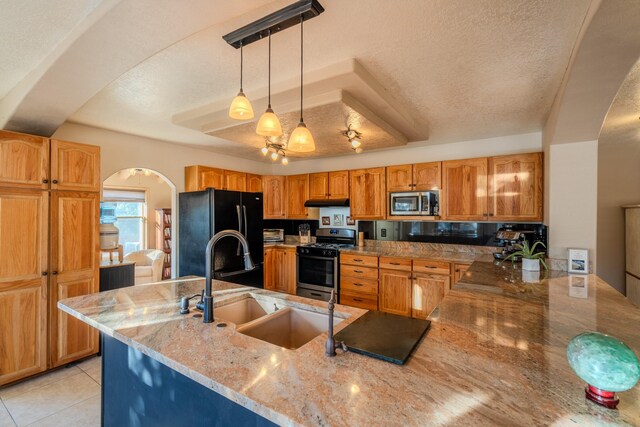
x=363, y=260
x=368, y=302
x=355, y=284
x=357, y=271
x=393, y=263
x=431, y=267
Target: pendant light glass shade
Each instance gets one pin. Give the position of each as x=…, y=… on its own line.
x=240, y=108
x=269, y=124
x=301, y=140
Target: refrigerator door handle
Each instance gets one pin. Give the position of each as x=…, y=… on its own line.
x=246, y=229
x=239, y=229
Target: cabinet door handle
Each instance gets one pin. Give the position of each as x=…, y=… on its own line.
x=45, y=181
x=357, y=260
x=315, y=294
x=55, y=273
x=358, y=284
x=45, y=273
x=358, y=299
x=394, y=263
x=55, y=181
x=430, y=266
x=358, y=271
x=491, y=214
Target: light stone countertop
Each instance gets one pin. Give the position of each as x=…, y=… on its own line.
x=489, y=358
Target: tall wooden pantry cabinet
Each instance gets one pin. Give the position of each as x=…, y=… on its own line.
x=49, y=250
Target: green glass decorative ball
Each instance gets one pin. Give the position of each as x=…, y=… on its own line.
x=603, y=361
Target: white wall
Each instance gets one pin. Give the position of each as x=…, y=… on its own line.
x=618, y=185
x=572, y=198
x=158, y=196
x=122, y=151
x=512, y=144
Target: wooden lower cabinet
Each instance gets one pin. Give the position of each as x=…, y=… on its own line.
x=458, y=270
x=428, y=291
x=23, y=283
x=395, y=292
x=280, y=270
x=75, y=272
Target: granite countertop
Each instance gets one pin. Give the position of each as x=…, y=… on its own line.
x=489, y=358
x=434, y=254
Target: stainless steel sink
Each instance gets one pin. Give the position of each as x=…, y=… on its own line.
x=288, y=327
x=244, y=311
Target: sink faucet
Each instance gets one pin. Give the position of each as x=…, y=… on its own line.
x=330, y=348
x=248, y=265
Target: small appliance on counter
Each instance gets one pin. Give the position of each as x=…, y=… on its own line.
x=273, y=235
x=423, y=203
x=318, y=264
x=509, y=239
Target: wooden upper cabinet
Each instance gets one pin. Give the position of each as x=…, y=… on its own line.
x=428, y=292
x=75, y=166
x=339, y=185
x=235, y=181
x=254, y=183
x=74, y=265
x=515, y=187
x=198, y=178
x=395, y=292
x=400, y=178
x=274, y=199
x=297, y=190
x=23, y=284
x=427, y=176
x=329, y=185
x=24, y=161
x=464, y=195
x=416, y=177
x=368, y=193
x=319, y=185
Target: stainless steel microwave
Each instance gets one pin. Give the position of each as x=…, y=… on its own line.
x=415, y=203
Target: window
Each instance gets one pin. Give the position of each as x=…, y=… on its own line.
x=127, y=210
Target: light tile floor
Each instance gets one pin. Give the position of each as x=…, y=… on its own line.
x=65, y=397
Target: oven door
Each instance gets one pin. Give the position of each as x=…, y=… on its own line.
x=405, y=203
x=316, y=272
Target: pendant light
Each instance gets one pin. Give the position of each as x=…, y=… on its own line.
x=240, y=108
x=301, y=139
x=269, y=124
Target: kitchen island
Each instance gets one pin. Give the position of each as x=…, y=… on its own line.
x=492, y=356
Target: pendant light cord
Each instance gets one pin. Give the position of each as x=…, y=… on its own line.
x=269, y=69
x=301, y=63
x=241, y=63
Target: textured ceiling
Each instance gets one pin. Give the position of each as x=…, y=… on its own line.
x=465, y=69
x=622, y=124
x=29, y=30
x=326, y=122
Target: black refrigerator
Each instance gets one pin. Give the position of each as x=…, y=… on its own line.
x=202, y=214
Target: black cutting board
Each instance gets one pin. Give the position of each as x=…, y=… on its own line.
x=384, y=336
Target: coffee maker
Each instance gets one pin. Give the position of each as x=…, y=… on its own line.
x=508, y=240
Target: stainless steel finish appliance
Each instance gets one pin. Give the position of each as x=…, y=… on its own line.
x=318, y=264
x=508, y=238
x=414, y=203
x=273, y=235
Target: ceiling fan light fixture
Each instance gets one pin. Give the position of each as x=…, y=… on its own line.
x=285, y=161
x=355, y=143
x=264, y=151
x=358, y=150
x=274, y=156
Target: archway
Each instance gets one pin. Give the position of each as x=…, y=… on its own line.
x=145, y=202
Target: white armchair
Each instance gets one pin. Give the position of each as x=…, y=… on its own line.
x=148, y=265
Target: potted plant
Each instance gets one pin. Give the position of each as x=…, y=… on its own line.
x=531, y=259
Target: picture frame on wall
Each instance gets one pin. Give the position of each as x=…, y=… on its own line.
x=351, y=221
x=326, y=220
x=338, y=219
x=578, y=261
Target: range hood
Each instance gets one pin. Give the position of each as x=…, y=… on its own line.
x=326, y=203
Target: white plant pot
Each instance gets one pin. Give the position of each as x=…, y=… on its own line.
x=530, y=276
x=530, y=264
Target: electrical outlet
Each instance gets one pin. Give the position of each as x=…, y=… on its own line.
x=383, y=232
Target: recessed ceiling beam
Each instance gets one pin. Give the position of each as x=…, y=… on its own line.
x=276, y=22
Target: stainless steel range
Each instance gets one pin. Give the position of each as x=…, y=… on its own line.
x=318, y=264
